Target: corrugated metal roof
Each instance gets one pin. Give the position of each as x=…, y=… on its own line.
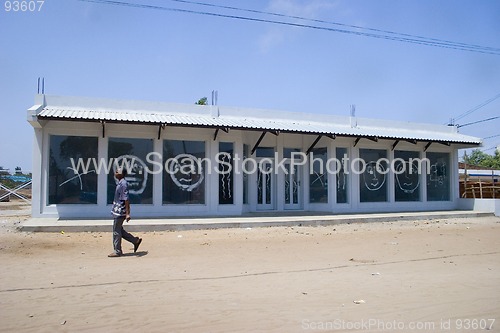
x=342, y=127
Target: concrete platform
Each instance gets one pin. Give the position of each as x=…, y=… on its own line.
x=245, y=221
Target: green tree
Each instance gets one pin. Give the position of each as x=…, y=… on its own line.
x=202, y=101
x=479, y=158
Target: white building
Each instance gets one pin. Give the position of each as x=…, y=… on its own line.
x=175, y=161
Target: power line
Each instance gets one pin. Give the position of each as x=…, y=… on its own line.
x=439, y=41
x=477, y=122
x=489, y=148
x=401, y=38
x=466, y=113
x=491, y=137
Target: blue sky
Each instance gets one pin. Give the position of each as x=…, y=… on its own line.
x=97, y=50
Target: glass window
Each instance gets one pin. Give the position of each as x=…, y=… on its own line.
x=184, y=172
x=438, y=177
x=292, y=175
x=245, y=176
x=287, y=152
x=265, y=152
x=264, y=182
x=318, y=176
x=406, y=175
x=372, y=183
x=342, y=175
x=131, y=154
x=72, y=170
x=226, y=173
x=265, y=156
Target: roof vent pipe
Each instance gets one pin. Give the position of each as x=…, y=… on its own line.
x=41, y=86
x=214, y=109
x=352, y=118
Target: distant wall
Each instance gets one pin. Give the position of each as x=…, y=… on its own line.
x=481, y=205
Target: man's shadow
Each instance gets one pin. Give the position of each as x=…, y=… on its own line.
x=136, y=254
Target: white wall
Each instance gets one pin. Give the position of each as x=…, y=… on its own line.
x=481, y=205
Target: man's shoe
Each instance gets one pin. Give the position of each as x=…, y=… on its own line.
x=114, y=255
x=136, y=245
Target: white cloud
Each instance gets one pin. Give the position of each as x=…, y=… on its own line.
x=270, y=39
x=310, y=9
x=303, y=8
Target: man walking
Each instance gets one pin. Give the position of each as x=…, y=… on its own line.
x=121, y=212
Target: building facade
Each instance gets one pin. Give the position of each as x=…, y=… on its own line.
x=193, y=160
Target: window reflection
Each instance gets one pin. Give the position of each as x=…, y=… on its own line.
x=131, y=154
x=184, y=172
x=72, y=183
x=318, y=177
x=342, y=180
x=226, y=173
x=438, y=178
x=373, y=185
x=406, y=176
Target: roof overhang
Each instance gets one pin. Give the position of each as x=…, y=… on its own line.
x=225, y=118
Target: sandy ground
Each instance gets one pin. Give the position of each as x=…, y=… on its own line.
x=425, y=276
